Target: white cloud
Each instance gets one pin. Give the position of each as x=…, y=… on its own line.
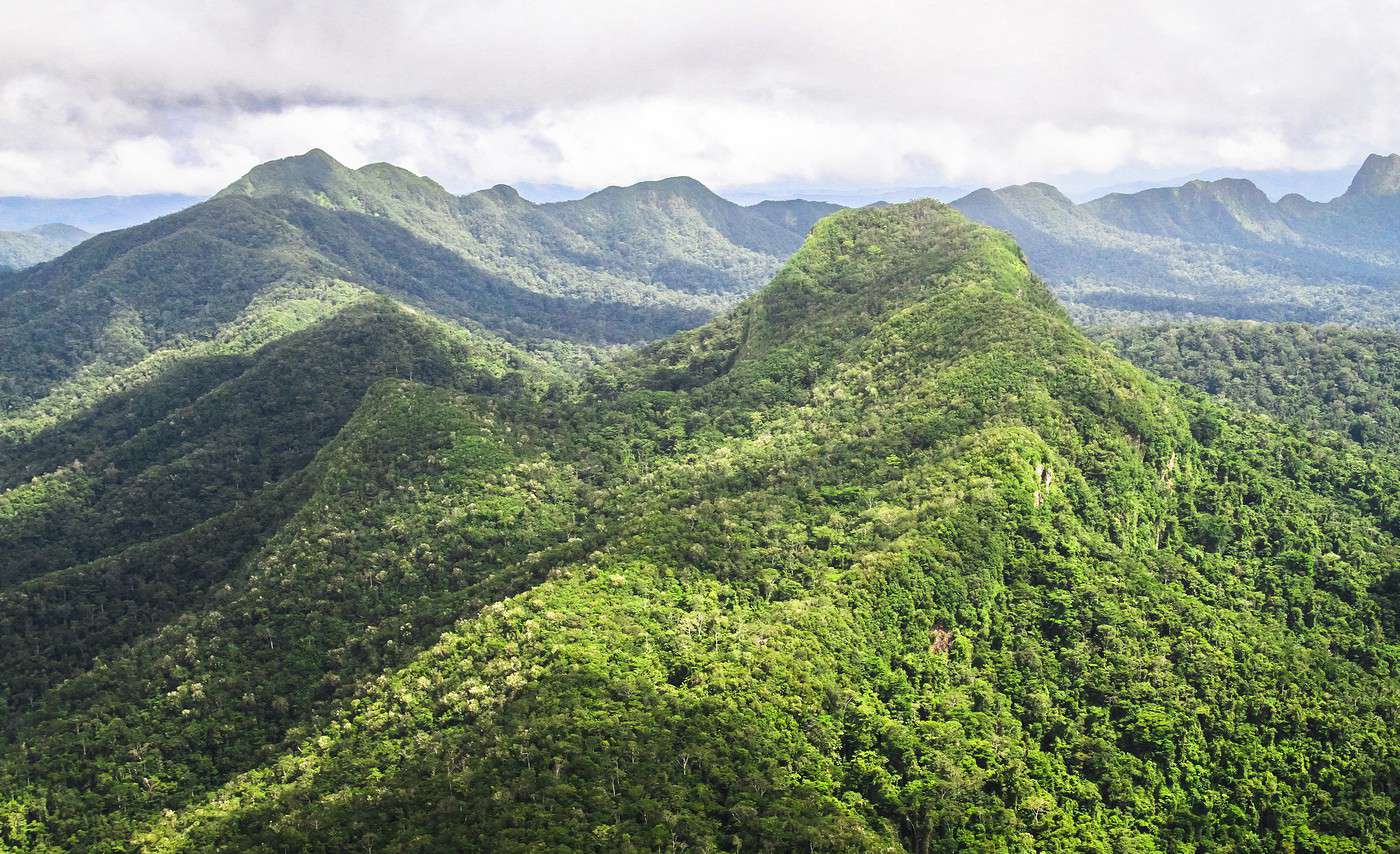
x=149, y=96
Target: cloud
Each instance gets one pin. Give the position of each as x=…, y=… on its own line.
x=138, y=97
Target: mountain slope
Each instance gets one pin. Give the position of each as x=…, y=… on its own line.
x=172, y=454
x=671, y=239
x=297, y=239
x=20, y=249
x=1213, y=248
x=888, y=557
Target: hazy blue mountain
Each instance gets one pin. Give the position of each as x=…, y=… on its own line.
x=1319, y=185
x=544, y=193
x=19, y=249
x=1213, y=248
x=850, y=197
x=94, y=214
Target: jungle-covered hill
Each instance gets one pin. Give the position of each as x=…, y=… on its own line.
x=890, y=556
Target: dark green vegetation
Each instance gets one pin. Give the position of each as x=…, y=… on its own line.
x=19, y=249
x=889, y=557
x=1322, y=377
x=1213, y=249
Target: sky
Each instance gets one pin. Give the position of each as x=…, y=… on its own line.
x=139, y=97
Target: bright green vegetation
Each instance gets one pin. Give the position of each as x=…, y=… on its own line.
x=1323, y=377
x=19, y=249
x=1212, y=249
x=888, y=557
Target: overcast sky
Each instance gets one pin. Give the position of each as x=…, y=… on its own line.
x=143, y=97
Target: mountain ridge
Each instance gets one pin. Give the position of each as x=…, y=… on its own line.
x=1379, y=176
x=295, y=239
x=1213, y=248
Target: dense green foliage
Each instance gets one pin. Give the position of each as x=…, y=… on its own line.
x=19, y=249
x=1324, y=377
x=213, y=431
x=298, y=239
x=889, y=557
x=1212, y=249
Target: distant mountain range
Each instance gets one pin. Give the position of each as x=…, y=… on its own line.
x=1213, y=248
x=297, y=239
x=1319, y=184
x=1218, y=248
x=851, y=197
x=20, y=249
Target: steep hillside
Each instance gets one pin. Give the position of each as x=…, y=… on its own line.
x=20, y=249
x=889, y=557
x=1213, y=249
x=214, y=430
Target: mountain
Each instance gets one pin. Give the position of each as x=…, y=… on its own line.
x=670, y=242
x=889, y=556
x=1379, y=176
x=1316, y=184
x=1213, y=248
x=847, y=196
x=296, y=240
x=156, y=382
x=94, y=214
x=19, y=249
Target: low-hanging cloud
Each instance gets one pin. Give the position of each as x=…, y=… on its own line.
x=141, y=97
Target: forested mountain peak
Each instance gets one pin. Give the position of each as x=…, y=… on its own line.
x=1233, y=191
x=380, y=189
x=678, y=185
x=60, y=231
x=1037, y=190
x=794, y=213
x=877, y=261
x=1049, y=191
x=1379, y=176
x=313, y=170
